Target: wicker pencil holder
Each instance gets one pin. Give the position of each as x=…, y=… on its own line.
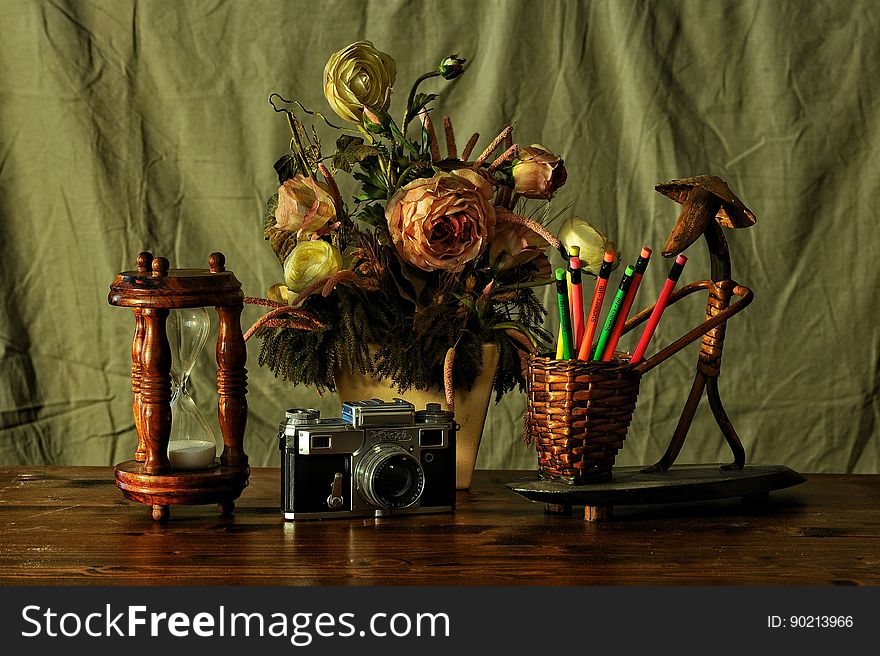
x=578, y=414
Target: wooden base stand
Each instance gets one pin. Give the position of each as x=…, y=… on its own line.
x=631, y=486
x=220, y=485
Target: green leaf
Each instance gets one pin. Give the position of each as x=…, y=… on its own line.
x=345, y=141
x=409, y=281
x=371, y=192
x=373, y=186
x=419, y=101
x=351, y=151
x=370, y=172
x=372, y=215
x=286, y=167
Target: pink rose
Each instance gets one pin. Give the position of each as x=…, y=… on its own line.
x=538, y=173
x=304, y=205
x=513, y=244
x=444, y=222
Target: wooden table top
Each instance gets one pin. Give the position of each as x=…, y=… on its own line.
x=71, y=526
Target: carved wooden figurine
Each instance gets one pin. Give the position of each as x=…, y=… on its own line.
x=152, y=290
x=707, y=205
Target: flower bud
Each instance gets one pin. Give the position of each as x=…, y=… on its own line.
x=376, y=120
x=309, y=262
x=451, y=67
x=537, y=173
x=576, y=231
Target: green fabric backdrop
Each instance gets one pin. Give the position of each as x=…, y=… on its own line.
x=144, y=125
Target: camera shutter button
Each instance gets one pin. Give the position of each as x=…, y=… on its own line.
x=334, y=501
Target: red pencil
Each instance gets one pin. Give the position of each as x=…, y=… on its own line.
x=596, y=306
x=641, y=265
x=665, y=293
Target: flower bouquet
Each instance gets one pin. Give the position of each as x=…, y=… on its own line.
x=436, y=256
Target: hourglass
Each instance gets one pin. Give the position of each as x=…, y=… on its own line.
x=191, y=445
x=175, y=461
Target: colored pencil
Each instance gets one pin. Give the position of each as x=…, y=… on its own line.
x=564, y=320
x=625, y=283
x=654, y=319
x=573, y=251
x=617, y=331
x=595, y=306
x=576, y=301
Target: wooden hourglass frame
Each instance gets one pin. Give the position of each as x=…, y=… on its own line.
x=152, y=291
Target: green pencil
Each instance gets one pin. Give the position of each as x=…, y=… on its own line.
x=564, y=318
x=625, y=282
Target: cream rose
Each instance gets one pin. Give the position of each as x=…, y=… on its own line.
x=576, y=231
x=304, y=204
x=308, y=262
x=358, y=76
x=444, y=222
x=537, y=173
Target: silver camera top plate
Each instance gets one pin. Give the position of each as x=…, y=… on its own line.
x=376, y=412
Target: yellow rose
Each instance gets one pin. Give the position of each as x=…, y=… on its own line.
x=308, y=262
x=576, y=231
x=303, y=204
x=358, y=76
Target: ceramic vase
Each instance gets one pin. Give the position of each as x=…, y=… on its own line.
x=471, y=407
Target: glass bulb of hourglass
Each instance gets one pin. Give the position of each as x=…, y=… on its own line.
x=192, y=444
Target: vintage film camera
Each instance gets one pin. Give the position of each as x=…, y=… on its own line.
x=378, y=459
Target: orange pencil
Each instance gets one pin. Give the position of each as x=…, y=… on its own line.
x=596, y=306
x=641, y=265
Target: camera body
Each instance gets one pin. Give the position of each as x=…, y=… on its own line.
x=380, y=458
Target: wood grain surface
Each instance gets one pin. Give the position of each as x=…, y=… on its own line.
x=71, y=526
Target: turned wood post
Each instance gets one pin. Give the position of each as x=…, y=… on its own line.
x=140, y=453
x=231, y=385
x=231, y=376
x=144, y=266
x=155, y=391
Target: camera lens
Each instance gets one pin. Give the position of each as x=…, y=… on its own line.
x=390, y=478
x=396, y=478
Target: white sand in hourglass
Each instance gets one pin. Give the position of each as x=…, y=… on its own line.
x=191, y=454
x=192, y=444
